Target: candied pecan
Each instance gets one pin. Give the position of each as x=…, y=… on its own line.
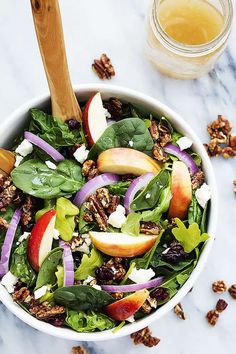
x=115, y=264
x=21, y=294
x=178, y=310
x=160, y=294
x=78, y=350
x=103, y=196
x=103, y=67
x=149, y=228
x=114, y=107
x=146, y=307
x=197, y=179
x=145, y=337
x=175, y=253
x=219, y=286
x=114, y=202
x=28, y=209
x=45, y=311
x=3, y=224
x=232, y=142
x=159, y=153
x=221, y=305
x=94, y=205
x=75, y=242
x=232, y=291
x=8, y=192
x=164, y=134
x=212, y=317
x=118, y=295
x=89, y=169
x=88, y=216
x=220, y=129
x=154, y=130
x=127, y=178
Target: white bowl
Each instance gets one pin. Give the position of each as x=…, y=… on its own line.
x=13, y=126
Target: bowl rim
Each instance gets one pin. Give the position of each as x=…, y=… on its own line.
x=70, y=334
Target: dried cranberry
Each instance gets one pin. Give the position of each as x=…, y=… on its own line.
x=73, y=124
x=58, y=320
x=28, y=227
x=65, y=152
x=104, y=274
x=175, y=253
x=77, y=258
x=160, y=294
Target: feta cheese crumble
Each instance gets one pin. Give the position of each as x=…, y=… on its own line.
x=88, y=280
x=18, y=160
x=130, y=319
x=56, y=234
x=203, y=194
x=117, y=218
x=107, y=113
x=51, y=165
x=40, y=292
x=25, y=148
x=81, y=154
x=9, y=280
x=23, y=237
x=148, y=195
x=184, y=143
x=141, y=275
x=97, y=287
x=131, y=143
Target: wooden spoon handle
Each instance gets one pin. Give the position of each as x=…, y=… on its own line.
x=48, y=26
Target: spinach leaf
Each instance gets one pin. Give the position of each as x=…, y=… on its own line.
x=194, y=212
x=35, y=178
x=164, y=202
x=89, y=264
x=150, y=196
x=132, y=224
x=20, y=266
x=120, y=134
x=82, y=297
x=52, y=130
x=88, y=321
x=65, y=220
x=119, y=188
x=48, y=268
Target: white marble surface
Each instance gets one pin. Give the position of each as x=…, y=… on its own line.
x=118, y=28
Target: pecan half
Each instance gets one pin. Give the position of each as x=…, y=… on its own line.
x=114, y=202
x=232, y=291
x=21, y=294
x=232, y=141
x=178, y=310
x=144, y=336
x=95, y=206
x=78, y=350
x=212, y=317
x=219, y=286
x=221, y=305
x=28, y=210
x=45, y=311
x=159, y=153
x=8, y=192
x=220, y=129
x=197, y=179
x=89, y=169
x=103, y=67
x=103, y=196
x=160, y=133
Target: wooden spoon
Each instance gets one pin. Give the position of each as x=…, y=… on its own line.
x=48, y=26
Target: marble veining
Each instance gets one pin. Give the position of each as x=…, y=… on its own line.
x=118, y=28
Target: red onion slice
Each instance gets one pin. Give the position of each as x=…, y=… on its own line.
x=8, y=241
x=91, y=186
x=134, y=187
x=68, y=264
x=183, y=156
x=42, y=144
x=133, y=287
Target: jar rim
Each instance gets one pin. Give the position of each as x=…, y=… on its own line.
x=193, y=49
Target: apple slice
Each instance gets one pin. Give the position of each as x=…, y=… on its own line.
x=121, y=245
x=94, y=119
x=181, y=189
x=128, y=306
x=40, y=240
x=123, y=161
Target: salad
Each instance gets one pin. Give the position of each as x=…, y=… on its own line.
x=101, y=222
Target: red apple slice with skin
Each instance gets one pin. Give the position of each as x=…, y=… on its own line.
x=126, y=161
x=94, y=119
x=121, y=245
x=181, y=189
x=128, y=306
x=40, y=240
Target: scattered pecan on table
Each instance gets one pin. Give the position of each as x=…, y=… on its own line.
x=103, y=67
x=178, y=310
x=219, y=286
x=221, y=305
x=212, y=317
x=232, y=291
x=78, y=350
x=234, y=183
x=222, y=142
x=144, y=336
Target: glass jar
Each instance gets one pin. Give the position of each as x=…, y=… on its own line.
x=186, y=61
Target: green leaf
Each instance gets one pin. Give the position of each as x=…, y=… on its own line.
x=82, y=297
x=84, y=226
x=88, y=321
x=132, y=225
x=48, y=268
x=194, y=212
x=35, y=178
x=119, y=188
x=120, y=134
x=150, y=196
x=20, y=266
x=65, y=220
x=176, y=136
x=163, y=205
x=88, y=265
x=190, y=237
x=53, y=130
x=60, y=276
